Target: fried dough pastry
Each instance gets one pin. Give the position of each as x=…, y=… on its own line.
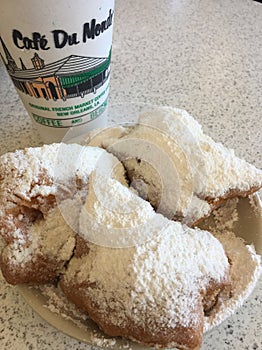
x=41, y=191
x=155, y=292
x=174, y=165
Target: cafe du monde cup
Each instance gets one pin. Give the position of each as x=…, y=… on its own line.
x=57, y=53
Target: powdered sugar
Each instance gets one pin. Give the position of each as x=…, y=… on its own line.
x=216, y=169
x=152, y=156
x=245, y=272
x=157, y=282
x=42, y=171
x=55, y=238
x=51, y=237
x=114, y=216
x=26, y=166
x=35, y=178
x=58, y=303
x=198, y=208
x=205, y=169
x=20, y=252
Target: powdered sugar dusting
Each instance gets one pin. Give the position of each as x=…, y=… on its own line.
x=114, y=216
x=55, y=237
x=222, y=169
x=245, y=272
x=33, y=180
x=56, y=302
x=51, y=237
x=206, y=168
x=157, y=282
x=26, y=165
x=39, y=172
x=162, y=164
x=130, y=282
x=198, y=208
x=20, y=251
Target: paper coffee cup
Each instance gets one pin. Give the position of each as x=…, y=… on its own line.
x=57, y=54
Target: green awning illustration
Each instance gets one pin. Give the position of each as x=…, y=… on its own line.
x=72, y=69
x=71, y=80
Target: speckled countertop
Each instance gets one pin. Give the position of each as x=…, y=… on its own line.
x=201, y=55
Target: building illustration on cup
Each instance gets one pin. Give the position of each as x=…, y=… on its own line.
x=66, y=78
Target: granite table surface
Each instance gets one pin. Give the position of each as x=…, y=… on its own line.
x=204, y=56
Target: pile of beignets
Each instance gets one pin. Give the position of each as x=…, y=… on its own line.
x=114, y=223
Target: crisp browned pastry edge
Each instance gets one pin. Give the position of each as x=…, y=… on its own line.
x=215, y=203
